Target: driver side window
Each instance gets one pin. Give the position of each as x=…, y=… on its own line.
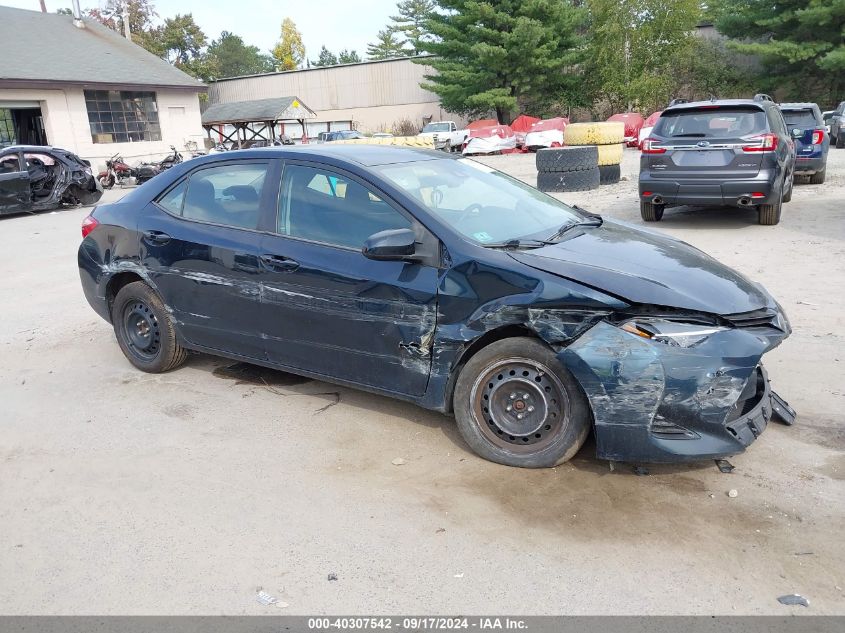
x=323, y=206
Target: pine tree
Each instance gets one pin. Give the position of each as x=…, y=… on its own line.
x=799, y=42
x=387, y=46
x=326, y=58
x=348, y=57
x=504, y=55
x=411, y=23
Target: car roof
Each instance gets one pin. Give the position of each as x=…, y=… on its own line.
x=798, y=106
x=362, y=154
x=717, y=103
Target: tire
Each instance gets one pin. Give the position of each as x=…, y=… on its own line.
x=611, y=154
x=609, y=174
x=651, y=212
x=582, y=180
x=606, y=133
x=786, y=197
x=553, y=429
x=840, y=140
x=818, y=177
x=107, y=183
x=769, y=214
x=145, y=330
x=576, y=158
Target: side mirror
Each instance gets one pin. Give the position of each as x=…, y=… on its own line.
x=391, y=245
x=797, y=133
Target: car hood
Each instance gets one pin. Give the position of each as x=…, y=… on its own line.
x=647, y=268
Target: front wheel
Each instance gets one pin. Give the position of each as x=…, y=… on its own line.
x=107, y=183
x=516, y=404
x=144, y=329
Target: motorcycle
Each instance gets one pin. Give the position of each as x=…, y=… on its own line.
x=116, y=172
x=169, y=161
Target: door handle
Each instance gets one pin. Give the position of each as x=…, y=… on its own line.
x=280, y=263
x=156, y=237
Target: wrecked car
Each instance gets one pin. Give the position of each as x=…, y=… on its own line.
x=438, y=280
x=35, y=178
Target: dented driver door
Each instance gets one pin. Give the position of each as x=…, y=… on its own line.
x=330, y=310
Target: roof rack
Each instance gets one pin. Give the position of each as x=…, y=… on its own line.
x=678, y=102
x=763, y=97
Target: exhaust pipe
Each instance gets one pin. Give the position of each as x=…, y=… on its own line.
x=745, y=201
x=657, y=200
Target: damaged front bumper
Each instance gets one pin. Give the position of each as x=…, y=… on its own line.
x=655, y=402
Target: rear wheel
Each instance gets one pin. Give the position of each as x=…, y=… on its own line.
x=769, y=214
x=144, y=329
x=840, y=139
x=651, y=212
x=787, y=195
x=818, y=177
x=516, y=404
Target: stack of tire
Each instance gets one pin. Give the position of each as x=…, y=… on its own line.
x=608, y=137
x=590, y=158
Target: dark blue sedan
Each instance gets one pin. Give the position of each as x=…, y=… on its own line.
x=440, y=281
x=812, y=142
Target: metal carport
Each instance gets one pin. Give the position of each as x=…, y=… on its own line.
x=255, y=120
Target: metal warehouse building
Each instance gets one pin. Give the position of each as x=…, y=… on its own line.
x=369, y=96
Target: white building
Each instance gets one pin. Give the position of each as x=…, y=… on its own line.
x=85, y=88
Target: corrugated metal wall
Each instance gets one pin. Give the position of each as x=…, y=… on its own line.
x=393, y=82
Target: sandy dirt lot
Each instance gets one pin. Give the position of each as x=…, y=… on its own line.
x=184, y=493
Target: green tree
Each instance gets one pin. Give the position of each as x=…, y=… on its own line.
x=709, y=68
x=230, y=57
x=327, y=58
x=411, y=23
x=348, y=57
x=141, y=16
x=504, y=55
x=800, y=43
x=387, y=46
x=289, y=52
x=634, y=48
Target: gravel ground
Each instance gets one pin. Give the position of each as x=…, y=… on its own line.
x=184, y=493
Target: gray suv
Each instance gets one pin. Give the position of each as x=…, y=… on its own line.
x=728, y=152
x=837, y=126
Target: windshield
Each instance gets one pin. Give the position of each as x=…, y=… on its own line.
x=479, y=202
x=711, y=123
x=800, y=118
x=436, y=127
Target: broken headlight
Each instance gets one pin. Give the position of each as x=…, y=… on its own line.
x=675, y=333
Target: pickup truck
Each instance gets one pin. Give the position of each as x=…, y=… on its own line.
x=446, y=135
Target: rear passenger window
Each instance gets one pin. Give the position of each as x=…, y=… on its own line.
x=228, y=195
x=172, y=200
x=323, y=206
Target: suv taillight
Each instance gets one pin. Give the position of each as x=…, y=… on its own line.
x=765, y=143
x=650, y=147
x=88, y=224
x=818, y=137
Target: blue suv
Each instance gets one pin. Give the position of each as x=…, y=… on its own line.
x=804, y=121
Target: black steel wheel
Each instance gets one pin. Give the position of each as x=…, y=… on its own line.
x=515, y=404
x=144, y=329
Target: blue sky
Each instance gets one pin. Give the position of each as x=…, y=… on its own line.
x=336, y=23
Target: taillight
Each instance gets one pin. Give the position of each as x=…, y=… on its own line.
x=818, y=137
x=88, y=224
x=765, y=143
x=650, y=147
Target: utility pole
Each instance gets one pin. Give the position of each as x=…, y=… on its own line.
x=127, y=33
x=43, y=7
